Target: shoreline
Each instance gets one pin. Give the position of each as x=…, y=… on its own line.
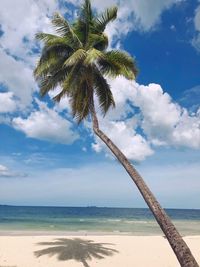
x=82, y=233
x=91, y=250
x=65, y=233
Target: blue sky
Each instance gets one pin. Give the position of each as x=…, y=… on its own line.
x=46, y=159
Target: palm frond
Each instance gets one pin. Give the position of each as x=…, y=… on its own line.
x=124, y=60
x=86, y=11
x=98, y=41
x=82, y=94
x=118, y=63
x=84, y=21
x=51, y=40
x=50, y=82
x=46, y=67
x=76, y=57
x=65, y=30
x=108, y=68
x=92, y=56
x=60, y=51
x=52, y=58
x=69, y=83
x=103, y=92
x=101, y=22
x=81, y=102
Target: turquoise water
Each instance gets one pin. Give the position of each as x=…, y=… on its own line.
x=93, y=219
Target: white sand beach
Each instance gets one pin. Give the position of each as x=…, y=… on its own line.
x=90, y=251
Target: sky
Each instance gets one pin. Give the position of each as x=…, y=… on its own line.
x=47, y=159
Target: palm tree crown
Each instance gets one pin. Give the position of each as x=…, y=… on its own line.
x=77, y=60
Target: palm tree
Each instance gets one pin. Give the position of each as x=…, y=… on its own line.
x=77, y=60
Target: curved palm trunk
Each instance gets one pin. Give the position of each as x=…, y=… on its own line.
x=175, y=240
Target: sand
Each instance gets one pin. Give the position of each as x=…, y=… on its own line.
x=90, y=251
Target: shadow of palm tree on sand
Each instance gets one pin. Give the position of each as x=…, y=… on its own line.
x=76, y=249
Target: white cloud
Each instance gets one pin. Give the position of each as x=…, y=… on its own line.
x=139, y=15
x=162, y=121
x=7, y=102
x=146, y=13
x=3, y=169
x=187, y=130
x=166, y=122
x=122, y=133
x=46, y=124
x=6, y=173
x=17, y=78
x=19, y=26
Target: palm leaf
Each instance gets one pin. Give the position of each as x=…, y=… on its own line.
x=51, y=60
x=81, y=102
x=76, y=57
x=108, y=68
x=101, y=22
x=69, y=83
x=103, y=92
x=46, y=67
x=124, y=60
x=51, y=40
x=98, y=41
x=59, y=51
x=84, y=21
x=92, y=56
x=64, y=29
x=86, y=11
x=50, y=82
x=82, y=94
x=118, y=63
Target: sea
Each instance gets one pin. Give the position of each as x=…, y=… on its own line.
x=93, y=220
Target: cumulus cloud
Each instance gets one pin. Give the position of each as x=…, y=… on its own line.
x=146, y=116
x=16, y=77
x=7, y=102
x=6, y=173
x=138, y=15
x=46, y=124
x=20, y=24
x=123, y=134
x=166, y=122
x=17, y=50
x=140, y=10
